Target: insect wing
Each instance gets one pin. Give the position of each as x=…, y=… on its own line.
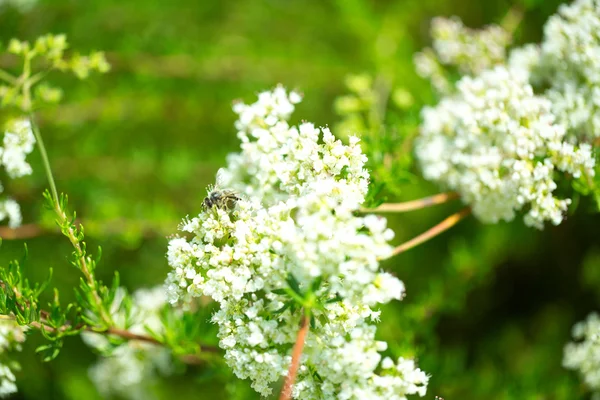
x=221, y=179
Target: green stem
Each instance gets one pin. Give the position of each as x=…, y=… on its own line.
x=8, y=78
x=38, y=77
x=46, y=161
x=104, y=315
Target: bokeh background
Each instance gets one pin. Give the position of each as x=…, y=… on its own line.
x=488, y=308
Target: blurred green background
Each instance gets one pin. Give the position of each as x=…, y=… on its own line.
x=488, y=308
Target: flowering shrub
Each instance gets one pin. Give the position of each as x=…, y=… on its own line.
x=294, y=243
x=497, y=144
x=277, y=277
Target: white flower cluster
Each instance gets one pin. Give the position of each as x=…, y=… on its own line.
x=497, y=144
x=584, y=354
x=471, y=51
x=294, y=231
x=11, y=337
x=130, y=367
x=18, y=141
x=278, y=160
x=569, y=61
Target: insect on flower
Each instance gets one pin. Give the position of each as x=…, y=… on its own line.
x=218, y=197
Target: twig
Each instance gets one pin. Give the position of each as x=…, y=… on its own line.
x=413, y=204
x=27, y=231
x=94, y=228
x=286, y=391
x=512, y=19
x=122, y=333
x=8, y=78
x=432, y=232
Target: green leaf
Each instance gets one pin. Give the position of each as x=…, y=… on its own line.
x=335, y=299
x=316, y=284
x=294, y=285
x=49, y=351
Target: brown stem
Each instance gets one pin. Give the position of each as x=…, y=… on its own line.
x=123, y=333
x=414, y=204
x=192, y=359
x=111, y=227
x=27, y=231
x=432, y=232
x=286, y=391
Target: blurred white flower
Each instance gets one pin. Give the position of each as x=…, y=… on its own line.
x=11, y=337
x=129, y=369
x=583, y=355
x=567, y=65
x=497, y=144
x=471, y=51
x=18, y=142
x=9, y=209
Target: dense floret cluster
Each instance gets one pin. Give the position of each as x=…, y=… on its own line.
x=294, y=235
x=569, y=64
x=497, y=144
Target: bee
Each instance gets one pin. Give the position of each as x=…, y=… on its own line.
x=218, y=197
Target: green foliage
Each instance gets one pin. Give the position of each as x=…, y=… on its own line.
x=384, y=117
x=488, y=308
x=47, y=53
x=18, y=297
x=91, y=295
x=183, y=334
x=21, y=301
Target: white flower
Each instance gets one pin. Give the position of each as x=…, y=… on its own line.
x=470, y=51
x=496, y=143
x=129, y=368
x=584, y=354
x=295, y=221
x=18, y=142
x=522, y=61
x=567, y=63
x=11, y=337
x=278, y=160
x=7, y=382
x=429, y=67
x=9, y=209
